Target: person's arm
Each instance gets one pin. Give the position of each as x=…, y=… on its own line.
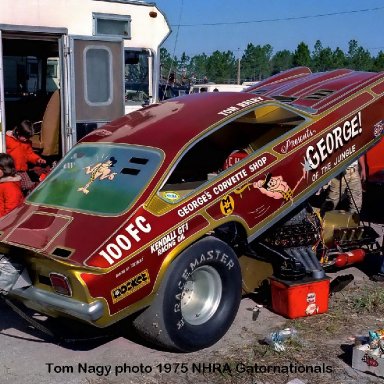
x=12, y=198
x=32, y=157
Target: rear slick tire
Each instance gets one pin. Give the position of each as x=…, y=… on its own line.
x=197, y=300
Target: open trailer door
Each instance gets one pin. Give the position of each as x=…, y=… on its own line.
x=98, y=83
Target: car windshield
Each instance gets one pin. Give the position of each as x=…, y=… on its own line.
x=98, y=178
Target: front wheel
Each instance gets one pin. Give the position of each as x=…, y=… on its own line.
x=198, y=298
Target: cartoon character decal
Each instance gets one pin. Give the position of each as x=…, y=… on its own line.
x=312, y=307
x=275, y=186
x=99, y=171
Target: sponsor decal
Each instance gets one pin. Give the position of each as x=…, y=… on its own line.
x=227, y=205
x=130, y=286
x=195, y=204
x=336, y=139
x=229, y=182
x=122, y=242
x=239, y=106
x=128, y=267
x=260, y=162
x=170, y=240
x=292, y=142
x=171, y=196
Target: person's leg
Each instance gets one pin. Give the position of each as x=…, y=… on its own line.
x=380, y=275
x=335, y=190
x=354, y=191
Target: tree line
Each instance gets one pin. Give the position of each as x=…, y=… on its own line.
x=259, y=62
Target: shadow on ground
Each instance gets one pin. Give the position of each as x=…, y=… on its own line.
x=67, y=333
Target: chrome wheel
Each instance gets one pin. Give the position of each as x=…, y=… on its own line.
x=197, y=300
x=201, y=295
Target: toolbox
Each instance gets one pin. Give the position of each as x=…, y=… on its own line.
x=305, y=297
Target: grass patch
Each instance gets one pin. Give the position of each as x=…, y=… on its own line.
x=371, y=301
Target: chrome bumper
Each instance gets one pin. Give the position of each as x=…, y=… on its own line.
x=44, y=302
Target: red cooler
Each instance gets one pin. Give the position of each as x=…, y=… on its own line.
x=301, y=298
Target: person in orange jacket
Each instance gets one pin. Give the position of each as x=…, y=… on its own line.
x=10, y=189
x=19, y=146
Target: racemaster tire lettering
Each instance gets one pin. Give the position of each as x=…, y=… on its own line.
x=210, y=255
x=163, y=322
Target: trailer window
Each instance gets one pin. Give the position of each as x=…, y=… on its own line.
x=112, y=25
x=103, y=179
x=98, y=75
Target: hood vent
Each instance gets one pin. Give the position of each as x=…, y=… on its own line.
x=284, y=99
x=320, y=94
x=259, y=91
x=134, y=171
x=62, y=252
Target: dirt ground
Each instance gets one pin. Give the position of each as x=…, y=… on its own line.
x=320, y=353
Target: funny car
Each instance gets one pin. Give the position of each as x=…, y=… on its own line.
x=172, y=212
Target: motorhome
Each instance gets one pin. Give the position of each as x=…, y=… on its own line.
x=212, y=87
x=76, y=64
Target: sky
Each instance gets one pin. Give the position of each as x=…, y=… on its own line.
x=204, y=26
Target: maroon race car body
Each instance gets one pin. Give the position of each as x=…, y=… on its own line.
x=133, y=216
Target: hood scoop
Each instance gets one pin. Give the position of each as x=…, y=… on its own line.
x=39, y=230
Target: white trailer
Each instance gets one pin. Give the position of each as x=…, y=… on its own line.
x=76, y=64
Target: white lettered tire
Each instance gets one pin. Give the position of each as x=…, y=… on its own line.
x=198, y=298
